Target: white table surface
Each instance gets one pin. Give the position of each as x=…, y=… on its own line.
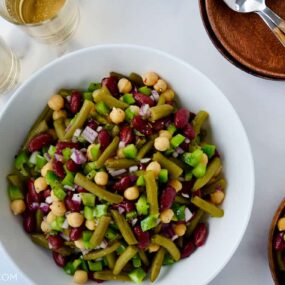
x=175, y=27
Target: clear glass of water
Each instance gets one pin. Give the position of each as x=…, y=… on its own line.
x=48, y=21
x=9, y=68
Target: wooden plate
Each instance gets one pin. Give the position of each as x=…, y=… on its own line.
x=244, y=39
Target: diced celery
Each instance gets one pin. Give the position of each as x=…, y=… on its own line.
x=172, y=129
x=100, y=210
x=163, y=176
x=69, y=268
x=95, y=151
x=193, y=158
x=142, y=205
x=15, y=193
x=177, y=140
x=94, y=86
x=52, y=179
x=200, y=170
x=131, y=215
x=52, y=150
x=179, y=211
x=88, y=213
x=137, y=275
x=88, y=199
x=59, y=193
x=20, y=161
x=129, y=114
x=129, y=98
x=102, y=108
x=40, y=162
x=68, y=179
x=130, y=151
x=66, y=153
x=149, y=222
x=88, y=96
x=145, y=90
x=95, y=266
x=209, y=149
x=57, y=223
x=86, y=235
x=140, y=181
x=136, y=261
x=76, y=263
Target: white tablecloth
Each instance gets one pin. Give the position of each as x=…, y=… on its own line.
x=175, y=27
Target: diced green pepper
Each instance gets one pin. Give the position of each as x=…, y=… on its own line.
x=179, y=211
x=172, y=129
x=94, y=86
x=20, y=162
x=145, y=90
x=100, y=210
x=88, y=213
x=137, y=275
x=95, y=266
x=52, y=150
x=59, y=193
x=68, y=179
x=33, y=158
x=95, y=151
x=130, y=151
x=168, y=260
x=102, y=108
x=149, y=222
x=193, y=158
x=66, y=153
x=15, y=193
x=140, y=181
x=121, y=249
x=209, y=149
x=137, y=261
x=87, y=96
x=52, y=179
x=129, y=98
x=86, y=235
x=188, y=176
x=40, y=162
x=131, y=215
x=76, y=263
x=69, y=268
x=163, y=176
x=57, y=224
x=200, y=170
x=177, y=140
x=129, y=114
x=91, y=175
x=142, y=205
x=88, y=199
x=111, y=234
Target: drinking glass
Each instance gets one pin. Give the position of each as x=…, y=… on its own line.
x=48, y=21
x=9, y=68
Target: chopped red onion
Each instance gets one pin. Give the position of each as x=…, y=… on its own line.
x=103, y=244
x=174, y=237
x=155, y=95
x=89, y=134
x=117, y=172
x=65, y=224
x=76, y=198
x=85, y=251
x=121, y=210
x=145, y=160
x=145, y=111
x=65, y=237
x=187, y=140
x=179, y=150
x=77, y=133
x=185, y=195
x=83, y=150
x=188, y=215
x=49, y=200
x=59, y=157
x=67, y=213
x=33, y=157
x=68, y=98
x=100, y=128
x=49, y=246
x=67, y=187
x=134, y=221
x=35, y=206
x=133, y=168
x=47, y=156
x=175, y=154
x=152, y=97
x=122, y=144
x=44, y=207
x=181, y=179
x=78, y=157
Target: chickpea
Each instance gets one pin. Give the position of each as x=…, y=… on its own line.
x=117, y=115
x=90, y=225
x=135, y=109
x=160, y=86
x=132, y=193
x=165, y=134
x=46, y=168
x=161, y=143
x=153, y=247
x=281, y=224
x=176, y=184
x=79, y=244
x=166, y=216
x=75, y=219
x=150, y=78
x=218, y=197
x=80, y=277
x=124, y=85
x=168, y=95
x=40, y=184
x=50, y=217
x=56, y=102
x=61, y=114
x=45, y=227
x=53, y=197
x=204, y=159
x=58, y=208
x=18, y=207
x=180, y=229
x=155, y=167
x=101, y=178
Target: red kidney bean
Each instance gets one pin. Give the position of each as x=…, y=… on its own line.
x=188, y=249
x=33, y=195
x=143, y=166
x=278, y=242
x=29, y=223
x=181, y=118
x=81, y=190
x=72, y=166
x=200, y=235
x=161, y=123
x=57, y=167
x=142, y=126
x=39, y=141
x=143, y=237
x=185, y=146
x=167, y=230
x=128, y=206
x=46, y=193
x=75, y=102
x=92, y=124
x=127, y=135
x=104, y=139
x=189, y=131
x=167, y=198
x=62, y=145
x=123, y=184
x=59, y=259
x=112, y=84
x=75, y=233
x=71, y=205
x=142, y=99
x=187, y=186
x=55, y=242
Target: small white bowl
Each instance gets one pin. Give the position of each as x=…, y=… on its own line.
x=195, y=92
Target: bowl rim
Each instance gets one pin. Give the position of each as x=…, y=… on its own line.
x=185, y=64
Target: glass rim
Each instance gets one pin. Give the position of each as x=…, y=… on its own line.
x=40, y=23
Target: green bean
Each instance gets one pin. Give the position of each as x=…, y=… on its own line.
x=80, y=119
x=110, y=149
x=82, y=181
x=59, y=128
x=182, y=200
x=145, y=149
x=104, y=95
x=221, y=183
x=143, y=257
x=212, y=168
x=124, y=228
x=280, y=260
x=168, y=244
x=100, y=119
x=209, y=208
x=194, y=222
x=64, y=92
x=198, y=121
x=99, y=233
x=15, y=180
x=108, y=275
x=118, y=75
x=151, y=192
x=180, y=163
x=136, y=79
x=111, y=260
x=93, y=255
x=124, y=258
x=174, y=170
x=156, y=264
x=161, y=111
x=161, y=101
x=140, y=172
x=120, y=163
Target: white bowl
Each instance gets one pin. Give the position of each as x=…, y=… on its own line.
x=195, y=92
